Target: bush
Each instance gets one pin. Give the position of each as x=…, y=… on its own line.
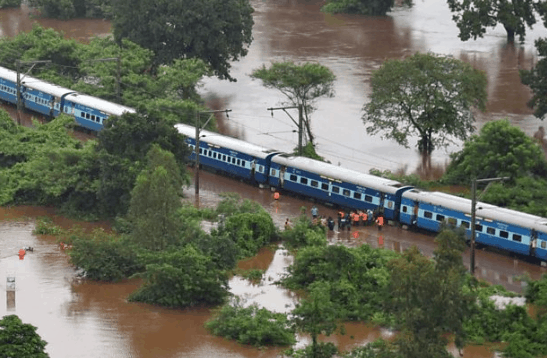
x=252, y=325
x=304, y=233
x=45, y=226
x=249, y=231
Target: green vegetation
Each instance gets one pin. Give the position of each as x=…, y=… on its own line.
x=67, y=9
x=473, y=17
x=427, y=95
x=535, y=78
x=362, y=7
x=302, y=85
x=253, y=275
x=252, y=325
x=10, y=3
x=18, y=339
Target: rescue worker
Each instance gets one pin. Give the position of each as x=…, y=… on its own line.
x=348, y=221
x=356, y=218
x=363, y=217
x=341, y=216
x=380, y=222
x=370, y=216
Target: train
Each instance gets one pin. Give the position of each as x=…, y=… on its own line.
x=502, y=228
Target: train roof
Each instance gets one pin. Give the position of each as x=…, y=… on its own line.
x=336, y=173
x=445, y=200
x=35, y=83
x=102, y=105
x=217, y=139
x=514, y=217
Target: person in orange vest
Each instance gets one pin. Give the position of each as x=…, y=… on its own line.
x=341, y=216
x=355, y=217
x=363, y=217
x=380, y=222
x=276, y=195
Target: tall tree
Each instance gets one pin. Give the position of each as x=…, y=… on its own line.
x=18, y=339
x=500, y=149
x=216, y=31
x=428, y=95
x=301, y=84
x=155, y=200
x=536, y=79
x=474, y=16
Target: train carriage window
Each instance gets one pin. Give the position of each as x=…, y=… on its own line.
x=517, y=238
x=428, y=214
x=325, y=186
x=261, y=168
x=83, y=114
x=466, y=224
x=314, y=183
x=403, y=209
x=303, y=180
x=214, y=155
x=368, y=198
x=491, y=231
x=452, y=221
x=346, y=192
x=243, y=163
x=93, y=117
x=478, y=228
x=335, y=189
x=357, y=196
x=293, y=178
x=224, y=157
x=239, y=162
x=543, y=244
x=504, y=234
x=274, y=172
x=440, y=217
x=87, y=116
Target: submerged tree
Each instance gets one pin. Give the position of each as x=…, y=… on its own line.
x=474, y=16
x=216, y=31
x=536, y=79
x=301, y=84
x=427, y=95
x=363, y=7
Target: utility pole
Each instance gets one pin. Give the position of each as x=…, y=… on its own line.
x=198, y=133
x=299, y=124
x=474, y=182
x=19, y=83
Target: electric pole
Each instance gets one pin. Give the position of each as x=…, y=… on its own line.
x=298, y=125
x=19, y=83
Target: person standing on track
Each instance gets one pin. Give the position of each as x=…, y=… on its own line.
x=380, y=222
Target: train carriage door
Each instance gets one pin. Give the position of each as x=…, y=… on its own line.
x=381, y=204
x=282, y=176
x=533, y=242
x=415, y=208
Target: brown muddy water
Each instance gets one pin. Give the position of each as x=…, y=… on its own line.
x=84, y=319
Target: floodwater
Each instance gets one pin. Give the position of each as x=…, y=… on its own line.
x=85, y=319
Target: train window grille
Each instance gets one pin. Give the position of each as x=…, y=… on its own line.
x=214, y=155
x=440, y=217
x=478, y=228
x=325, y=186
x=239, y=162
x=335, y=189
x=517, y=238
x=491, y=231
x=346, y=192
x=368, y=198
x=428, y=214
x=543, y=244
x=403, y=208
x=293, y=178
x=261, y=169
x=223, y=157
x=314, y=183
x=504, y=234
x=303, y=180
x=357, y=196
x=200, y=151
x=243, y=163
x=466, y=224
x=274, y=172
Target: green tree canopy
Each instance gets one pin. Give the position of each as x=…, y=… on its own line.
x=18, y=339
x=425, y=95
x=10, y=3
x=474, y=16
x=67, y=9
x=536, y=79
x=155, y=200
x=301, y=84
x=363, y=7
x=216, y=31
x=499, y=150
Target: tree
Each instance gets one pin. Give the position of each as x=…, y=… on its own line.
x=363, y=7
x=67, y=9
x=499, y=150
x=536, y=79
x=474, y=16
x=427, y=301
x=301, y=84
x=18, y=339
x=182, y=278
x=427, y=95
x=155, y=200
x=10, y=3
x=216, y=31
